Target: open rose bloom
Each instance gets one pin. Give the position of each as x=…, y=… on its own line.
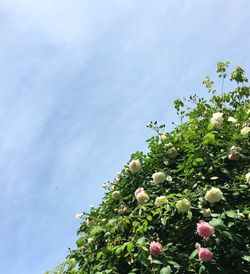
x=204, y=229
x=156, y=249
x=205, y=254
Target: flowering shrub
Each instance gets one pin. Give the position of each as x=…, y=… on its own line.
x=184, y=207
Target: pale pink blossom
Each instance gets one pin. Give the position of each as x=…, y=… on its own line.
x=204, y=229
x=139, y=190
x=156, y=249
x=205, y=254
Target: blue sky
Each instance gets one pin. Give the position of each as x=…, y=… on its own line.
x=79, y=80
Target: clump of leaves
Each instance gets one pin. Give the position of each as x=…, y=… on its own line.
x=208, y=149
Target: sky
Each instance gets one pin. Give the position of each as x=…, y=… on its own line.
x=79, y=80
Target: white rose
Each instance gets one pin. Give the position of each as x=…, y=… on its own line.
x=232, y=120
x=245, y=130
x=248, y=177
x=134, y=166
x=159, y=177
x=142, y=197
x=116, y=195
x=183, y=205
x=163, y=138
x=213, y=195
x=90, y=240
x=172, y=152
x=217, y=119
x=159, y=201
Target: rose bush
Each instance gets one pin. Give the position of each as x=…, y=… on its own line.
x=197, y=206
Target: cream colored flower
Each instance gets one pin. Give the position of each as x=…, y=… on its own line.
x=90, y=240
x=232, y=120
x=159, y=177
x=245, y=131
x=183, y=205
x=213, y=195
x=116, y=195
x=163, y=138
x=134, y=166
x=248, y=177
x=142, y=197
x=217, y=119
x=171, y=152
x=161, y=200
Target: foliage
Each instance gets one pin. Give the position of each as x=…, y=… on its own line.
x=115, y=237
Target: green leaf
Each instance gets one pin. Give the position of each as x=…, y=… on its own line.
x=218, y=224
x=193, y=254
x=210, y=126
x=246, y=258
x=166, y=270
x=130, y=247
x=231, y=213
x=209, y=138
x=80, y=242
x=156, y=262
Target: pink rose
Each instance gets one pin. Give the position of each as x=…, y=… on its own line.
x=204, y=229
x=139, y=190
x=205, y=254
x=156, y=248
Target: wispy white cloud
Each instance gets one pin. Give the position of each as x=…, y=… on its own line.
x=79, y=80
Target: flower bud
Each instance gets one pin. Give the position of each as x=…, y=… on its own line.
x=206, y=212
x=116, y=195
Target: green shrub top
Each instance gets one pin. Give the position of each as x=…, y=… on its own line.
x=184, y=206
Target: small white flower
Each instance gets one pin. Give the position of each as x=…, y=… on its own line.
x=90, y=240
x=163, y=138
x=159, y=177
x=232, y=120
x=118, y=175
x=245, y=131
x=134, y=166
x=217, y=119
x=248, y=177
x=213, y=195
x=78, y=216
